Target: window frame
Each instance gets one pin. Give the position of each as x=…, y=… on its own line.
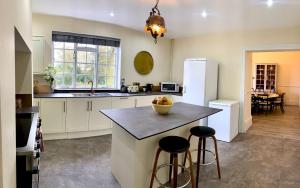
x=117, y=66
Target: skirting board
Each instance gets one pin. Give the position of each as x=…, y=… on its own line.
x=247, y=124
x=58, y=136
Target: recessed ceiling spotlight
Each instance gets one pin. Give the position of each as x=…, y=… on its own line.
x=204, y=14
x=112, y=14
x=270, y=3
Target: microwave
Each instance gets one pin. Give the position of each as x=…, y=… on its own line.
x=169, y=87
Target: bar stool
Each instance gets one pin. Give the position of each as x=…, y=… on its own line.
x=173, y=145
x=203, y=132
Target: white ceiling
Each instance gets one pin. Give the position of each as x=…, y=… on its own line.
x=183, y=17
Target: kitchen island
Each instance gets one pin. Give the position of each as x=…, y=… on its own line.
x=135, y=136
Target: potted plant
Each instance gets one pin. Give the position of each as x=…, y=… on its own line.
x=49, y=74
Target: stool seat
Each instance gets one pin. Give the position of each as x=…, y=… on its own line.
x=202, y=131
x=174, y=144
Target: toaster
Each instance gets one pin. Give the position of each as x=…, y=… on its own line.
x=133, y=89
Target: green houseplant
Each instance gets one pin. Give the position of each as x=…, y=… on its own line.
x=49, y=74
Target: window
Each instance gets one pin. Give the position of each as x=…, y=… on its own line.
x=79, y=62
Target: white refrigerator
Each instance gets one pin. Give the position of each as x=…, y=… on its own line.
x=200, y=82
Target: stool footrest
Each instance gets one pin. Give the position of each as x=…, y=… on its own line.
x=167, y=165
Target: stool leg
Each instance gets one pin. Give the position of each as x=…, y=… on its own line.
x=198, y=160
x=191, y=169
x=154, y=167
x=184, y=159
x=175, y=170
x=170, y=170
x=217, y=156
x=204, y=146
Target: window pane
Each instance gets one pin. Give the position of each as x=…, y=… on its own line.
x=101, y=70
x=102, y=49
x=110, y=49
x=110, y=71
x=110, y=82
x=101, y=81
x=58, y=55
x=82, y=80
x=102, y=58
x=69, y=45
x=85, y=69
x=68, y=81
x=69, y=55
x=81, y=45
x=59, y=68
x=91, y=46
x=91, y=57
x=59, y=81
x=81, y=57
x=58, y=44
x=111, y=59
x=69, y=68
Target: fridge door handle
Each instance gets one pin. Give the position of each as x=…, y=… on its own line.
x=184, y=89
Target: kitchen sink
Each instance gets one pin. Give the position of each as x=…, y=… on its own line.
x=90, y=95
x=126, y=94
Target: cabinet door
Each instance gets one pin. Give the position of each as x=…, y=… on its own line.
x=145, y=100
x=176, y=98
x=38, y=54
x=77, y=115
x=53, y=115
x=123, y=102
x=97, y=120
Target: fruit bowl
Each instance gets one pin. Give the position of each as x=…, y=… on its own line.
x=162, y=105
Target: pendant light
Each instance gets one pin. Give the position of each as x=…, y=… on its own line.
x=155, y=24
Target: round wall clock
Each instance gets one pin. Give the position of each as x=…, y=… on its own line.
x=143, y=62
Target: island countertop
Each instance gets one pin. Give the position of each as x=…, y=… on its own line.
x=143, y=122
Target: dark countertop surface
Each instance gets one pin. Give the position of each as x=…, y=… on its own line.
x=143, y=122
x=26, y=110
x=102, y=94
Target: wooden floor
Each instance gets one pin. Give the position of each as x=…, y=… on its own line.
x=277, y=124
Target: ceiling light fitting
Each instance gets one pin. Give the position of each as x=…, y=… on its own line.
x=155, y=24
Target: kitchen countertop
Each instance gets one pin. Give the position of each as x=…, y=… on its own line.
x=143, y=122
x=103, y=94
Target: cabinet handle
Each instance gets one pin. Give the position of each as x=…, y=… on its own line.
x=91, y=105
x=88, y=106
x=64, y=106
x=123, y=97
x=38, y=103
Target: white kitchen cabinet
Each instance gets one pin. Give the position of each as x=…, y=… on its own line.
x=77, y=115
x=53, y=115
x=176, y=98
x=38, y=50
x=145, y=100
x=97, y=120
x=123, y=102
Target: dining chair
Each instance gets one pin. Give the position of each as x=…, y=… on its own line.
x=280, y=102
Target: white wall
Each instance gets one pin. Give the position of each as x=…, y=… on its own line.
x=12, y=13
x=131, y=43
x=229, y=49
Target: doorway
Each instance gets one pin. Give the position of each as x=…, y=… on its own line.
x=271, y=72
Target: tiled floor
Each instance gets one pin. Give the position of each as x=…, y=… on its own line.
x=250, y=160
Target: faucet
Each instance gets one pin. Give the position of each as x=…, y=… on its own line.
x=92, y=87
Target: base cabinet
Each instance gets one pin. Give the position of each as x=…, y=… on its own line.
x=123, y=102
x=77, y=115
x=81, y=117
x=97, y=120
x=53, y=115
